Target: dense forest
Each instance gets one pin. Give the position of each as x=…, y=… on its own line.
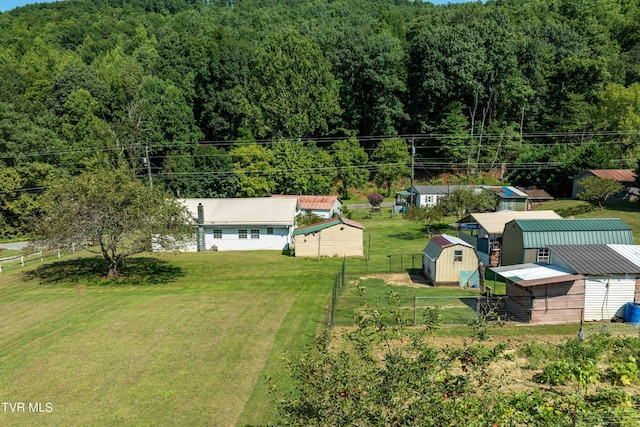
x=213, y=98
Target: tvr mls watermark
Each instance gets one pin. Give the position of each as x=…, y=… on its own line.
x=39, y=407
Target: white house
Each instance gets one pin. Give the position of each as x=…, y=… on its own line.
x=324, y=206
x=429, y=195
x=510, y=198
x=260, y=223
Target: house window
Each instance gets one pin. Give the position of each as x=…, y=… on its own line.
x=217, y=234
x=269, y=230
x=255, y=234
x=457, y=256
x=543, y=256
x=429, y=200
x=242, y=234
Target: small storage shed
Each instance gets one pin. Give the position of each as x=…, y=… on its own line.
x=543, y=293
x=611, y=276
x=448, y=260
x=528, y=240
x=333, y=237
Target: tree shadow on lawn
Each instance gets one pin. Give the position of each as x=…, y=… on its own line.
x=140, y=271
x=577, y=210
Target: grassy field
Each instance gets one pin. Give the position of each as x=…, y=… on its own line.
x=187, y=339
x=184, y=341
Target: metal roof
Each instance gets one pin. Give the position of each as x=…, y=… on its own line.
x=537, y=194
x=245, y=211
x=535, y=274
x=630, y=252
x=621, y=175
x=506, y=192
x=440, y=189
x=436, y=244
x=546, y=232
x=319, y=226
x=320, y=203
x=580, y=224
x=493, y=222
x=595, y=259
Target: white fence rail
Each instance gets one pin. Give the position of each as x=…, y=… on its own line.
x=19, y=261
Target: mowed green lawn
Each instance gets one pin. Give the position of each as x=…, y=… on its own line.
x=190, y=349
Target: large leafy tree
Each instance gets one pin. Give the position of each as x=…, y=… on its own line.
x=372, y=76
x=20, y=187
x=464, y=201
x=391, y=158
x=301, y=168
x=253, y=166
x=598, y=189
x=110, y=212
x=203, y=171
x=292, y=92
x=351, y=163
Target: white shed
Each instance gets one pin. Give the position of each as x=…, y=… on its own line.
x=611, y=276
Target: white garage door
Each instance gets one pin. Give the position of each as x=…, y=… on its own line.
x=605, y=297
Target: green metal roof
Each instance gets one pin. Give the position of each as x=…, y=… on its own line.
x=544, y=233
x=319, y=226
x=581, y=224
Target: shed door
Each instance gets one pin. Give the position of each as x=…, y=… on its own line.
x=605, y=297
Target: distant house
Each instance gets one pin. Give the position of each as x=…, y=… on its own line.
x=511, y=199
x=543, y=294
x=447, y=260
x=430, y=195
x=484, y=231
x=324, y=206
x=333, y=237
x=528, y=240
x=261, y=223
x=626, y=177
x=535, y=196
x=611, y=276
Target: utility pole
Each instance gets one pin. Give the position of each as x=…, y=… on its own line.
x=413, y=163
x=148, y=162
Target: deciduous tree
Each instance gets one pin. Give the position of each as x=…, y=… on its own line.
x=111, y=213
x=598, y=189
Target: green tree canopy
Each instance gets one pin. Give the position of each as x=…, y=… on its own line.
x=350, y=161
x=391, y=158
x=598, y=189
x=291, y=92
x=111, y=213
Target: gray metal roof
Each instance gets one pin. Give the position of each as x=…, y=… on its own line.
x=593, y=259
x=535, y=274
x=440, y=189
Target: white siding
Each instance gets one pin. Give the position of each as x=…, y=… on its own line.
x=605, y=297
x=429, y=268
x=230, y=240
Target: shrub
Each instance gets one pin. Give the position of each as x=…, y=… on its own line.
x=375, y=199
